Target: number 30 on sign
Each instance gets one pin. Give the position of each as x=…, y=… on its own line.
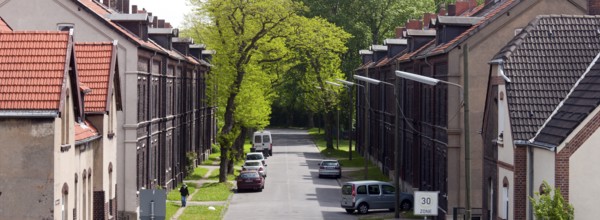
x=426, y=203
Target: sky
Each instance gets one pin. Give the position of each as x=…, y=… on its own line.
x=173, y=11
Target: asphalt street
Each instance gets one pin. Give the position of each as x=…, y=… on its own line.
x=293, y=189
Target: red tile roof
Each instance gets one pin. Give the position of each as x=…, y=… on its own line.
x=84, y=130
x=32, y=68
x=94, y=63
x=4, y=26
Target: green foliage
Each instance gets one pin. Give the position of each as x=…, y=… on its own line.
x=174, y=194
x=171, y=209
x=550, y=204
x=190, y=158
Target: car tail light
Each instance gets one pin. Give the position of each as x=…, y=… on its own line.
x=353, y=193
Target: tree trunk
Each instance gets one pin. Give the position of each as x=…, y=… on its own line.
x=328, y=119
x=224, y=162
x=311, y=120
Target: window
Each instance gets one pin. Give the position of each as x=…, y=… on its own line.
x=361, y=190
x=387, y=189
x=266, y=138
x=65, y=26
x=373, y=189
x=504, y=205
x=64, y=203
x=257, y=139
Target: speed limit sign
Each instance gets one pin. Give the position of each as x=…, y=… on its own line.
x=426, y=203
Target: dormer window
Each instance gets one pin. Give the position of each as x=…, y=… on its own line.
x=65, y=26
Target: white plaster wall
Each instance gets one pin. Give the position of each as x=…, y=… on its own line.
x=506, y=152
x=509, y=174
x=584, y=178
x=543, y=161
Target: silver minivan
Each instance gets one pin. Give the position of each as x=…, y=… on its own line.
x=371, y=194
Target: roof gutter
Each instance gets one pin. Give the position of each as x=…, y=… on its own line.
x=536, y=144
x=87, y=140
x=28, y=114
x=500, y=64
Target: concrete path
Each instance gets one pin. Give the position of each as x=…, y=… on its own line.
x=199, y=183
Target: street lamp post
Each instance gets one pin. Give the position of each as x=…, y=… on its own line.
x=348, y=86
x=465, y=102
x=396, y=143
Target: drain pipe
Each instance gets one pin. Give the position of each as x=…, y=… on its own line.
x=530, y=168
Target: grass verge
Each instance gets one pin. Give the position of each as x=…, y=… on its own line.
x=171, y=209
x=202, y=213
x=174, y=195
x=214, y=175
x=198, y=173
x=213, y=192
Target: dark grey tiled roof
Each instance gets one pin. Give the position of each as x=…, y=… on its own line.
x=543, y=62
x=583, y=99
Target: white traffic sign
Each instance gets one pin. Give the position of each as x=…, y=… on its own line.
x=426, y=203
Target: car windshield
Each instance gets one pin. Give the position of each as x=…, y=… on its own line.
x=249, y=175
x=252, y=164
x=329, y=163
x=346, y=190
x=254, y=157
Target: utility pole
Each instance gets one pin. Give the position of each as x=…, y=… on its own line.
x=467, y=136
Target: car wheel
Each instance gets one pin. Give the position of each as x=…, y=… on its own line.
x=405, y=205
x=339, y=176
x=270, y=152
x=363, y=208
x=260, y=189
x=320, y=176
x=349, y=211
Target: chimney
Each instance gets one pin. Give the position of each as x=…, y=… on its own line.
x=442, y=12
x=463, y=6
x=196, y=50
x=366, y=56
x=161, y=23
x=106, y=3
x=399, y=31
x=134, y=9
x=427, y=18
x=593, y=7
x=413, y=24
x=168, y=25
x=125, y=7
x=451, y=10
x=155, y=22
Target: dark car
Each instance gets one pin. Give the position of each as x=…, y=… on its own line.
x=250, y=179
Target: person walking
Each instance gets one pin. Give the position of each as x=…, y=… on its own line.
x=184, y=194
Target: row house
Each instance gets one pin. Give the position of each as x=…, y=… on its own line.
x=542, y=114
x=165, y=114
x=58, y=106
x=431, y=130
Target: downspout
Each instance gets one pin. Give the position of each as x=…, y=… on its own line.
x=530, y=173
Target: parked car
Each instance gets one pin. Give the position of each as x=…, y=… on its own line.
x=330, y=168
x=250, y=179
x=255, y=165
x=262, y=142
x=256, y=156
x=371, y=194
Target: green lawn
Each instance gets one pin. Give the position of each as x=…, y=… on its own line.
x=403, y=215
x=213, y=192
x=198, y=173
x=174, y=194
x=214, y=175
x=171, y=209
x=201, y=213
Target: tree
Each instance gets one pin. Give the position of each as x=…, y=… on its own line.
x=257, y=45
x=551, y=205
x=241, y=32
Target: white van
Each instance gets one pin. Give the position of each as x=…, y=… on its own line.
x=262, y=142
